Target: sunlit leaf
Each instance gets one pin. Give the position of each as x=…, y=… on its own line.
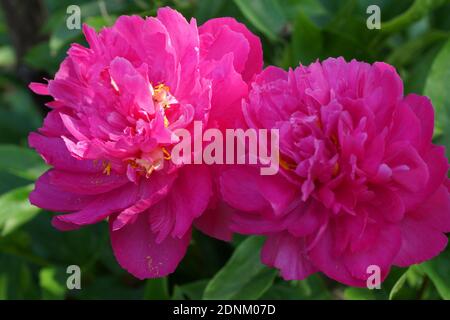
x=21, y=161
x=52, y=283
x=15, y=209
x=266, y=15
x=438, y=271
x=436, y=88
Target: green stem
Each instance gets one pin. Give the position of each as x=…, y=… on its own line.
x=418, y=9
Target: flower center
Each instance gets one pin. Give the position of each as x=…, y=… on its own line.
x=148, y=162
x=161, y=95
x=153, y=161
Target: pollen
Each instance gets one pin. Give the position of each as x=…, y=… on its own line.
x=335, y=169
x=166, y=153
x=334, y=139
x=287, y=165
x=166, y=122
x=107, y=168
x=161, y=94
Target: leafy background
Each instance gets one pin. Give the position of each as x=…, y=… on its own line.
x=33, y=41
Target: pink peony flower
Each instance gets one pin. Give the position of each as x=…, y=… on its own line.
x=116, y=109
x=360, y=182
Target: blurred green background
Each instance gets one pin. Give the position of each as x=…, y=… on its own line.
x=33, y=40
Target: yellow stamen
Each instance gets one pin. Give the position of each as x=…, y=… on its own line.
x=335, y=169
x=167, y=155
x=107, y=168
x=161, y=95
x=160, y=87
x=334, y=139
x=149, y=171
x=286, y=165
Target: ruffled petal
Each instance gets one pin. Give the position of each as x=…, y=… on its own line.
x=287, y=253
x=137, y=251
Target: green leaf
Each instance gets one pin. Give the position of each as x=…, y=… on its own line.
x=309, y=7
x=19, y=245
x=437, y=270
x=83, y=247
x=398, y=285
x=436, y=88
x=7, y=57
x=98, y=22
x=20, y=102
x=52, y=282
x=418, y=72
x=16, y=281
x=15, y=209
x=243, y=277
x=406, y=53
x=311, y=288
x=21, y=162
x=418, y=9
x=156, y=289
x=107, y=287
x=61, y=35
x=415, y=276
x=178, y=293
x=41, y=57
x=352, y=293
x=306, y=41
x=208, y=9
x=193, y=290
x=266, y=15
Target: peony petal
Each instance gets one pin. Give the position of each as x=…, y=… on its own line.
x=424, y=111
x=240, y=189
x=39, y=88
x=50, y=197
x=175, y=213
x=323, y=258
x=434, y=212
x=420, y=242
x=103, y=206
x=224, y=42
x=254, y=61
x=185, y=40
x=55, y=153
x=245, y=189
x=287, y=253
x=228, y=90
x=151, y=191
x=380, y=252
x=131, y=83
x=87, y=183
x=137, y=251
x=216, y=221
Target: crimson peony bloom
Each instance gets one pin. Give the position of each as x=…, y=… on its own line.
x=117, y=106
x=360, y=182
